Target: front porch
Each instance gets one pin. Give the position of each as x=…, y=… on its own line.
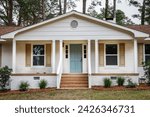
x=90, y=60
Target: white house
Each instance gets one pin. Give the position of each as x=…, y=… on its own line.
x=74, y=50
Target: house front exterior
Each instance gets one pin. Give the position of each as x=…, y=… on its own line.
x=74, y=51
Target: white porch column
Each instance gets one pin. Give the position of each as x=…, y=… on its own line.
x=14, y=56
x=61, y=51
x=89, y=56
x=135, y=56
x=53, y=56
x=89, y=63
x=60, y=48
x=96, y=56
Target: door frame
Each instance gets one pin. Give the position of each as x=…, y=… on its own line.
x=81, y=62
x=66, y=61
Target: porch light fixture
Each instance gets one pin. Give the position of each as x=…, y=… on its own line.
x=74, y=24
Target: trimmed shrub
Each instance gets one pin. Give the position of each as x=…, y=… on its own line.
x=42, y=84
x=120, y=81
x=5, y=73
x=107, y=82
x=24, y=86
x=131, y=84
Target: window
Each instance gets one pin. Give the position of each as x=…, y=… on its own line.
x=38, y=55
x=66, y=50
x=85, y=51
x=111, y=54
x=147, y=52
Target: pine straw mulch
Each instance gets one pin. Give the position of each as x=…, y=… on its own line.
x=121, y=88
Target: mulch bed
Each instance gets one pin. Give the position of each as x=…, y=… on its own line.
x=100, y=88
x=28, y=91
x=121, y=88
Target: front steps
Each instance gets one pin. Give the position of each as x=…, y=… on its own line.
x=74, y=81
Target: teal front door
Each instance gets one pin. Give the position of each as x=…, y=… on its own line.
x=75, y=58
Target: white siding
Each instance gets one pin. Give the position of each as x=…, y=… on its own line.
x=141, y=71
x=61, y=30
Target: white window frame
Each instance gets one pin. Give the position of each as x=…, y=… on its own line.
x=144, y=51
x=38, y=66
x=111, y=54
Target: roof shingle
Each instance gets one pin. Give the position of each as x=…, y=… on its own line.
x=142, y=28
x=7, y=29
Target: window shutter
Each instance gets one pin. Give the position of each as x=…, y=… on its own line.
x=140, y=54
x=122, y=54
x=101, y=54
x=48, y=55
x=0, y=55
x=28, y=55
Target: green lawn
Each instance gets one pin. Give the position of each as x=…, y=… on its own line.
x=80, y=95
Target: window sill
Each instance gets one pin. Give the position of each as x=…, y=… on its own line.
x=38, y=67
x=112, y=66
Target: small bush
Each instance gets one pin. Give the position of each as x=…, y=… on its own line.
x=24, y=86
x=131, y=84
x=5, y=73
x=42, y=84
x=107, y=82
x=120, y=81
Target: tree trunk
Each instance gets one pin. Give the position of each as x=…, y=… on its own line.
x=114, y=9
x=143, y=13
x=106, y=9
x=10, y=14
x=43, y=10
x=19, y=20
x=60, y=8
x=65, y=6
x=84, y=6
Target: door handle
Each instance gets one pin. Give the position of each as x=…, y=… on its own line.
x=81, y=60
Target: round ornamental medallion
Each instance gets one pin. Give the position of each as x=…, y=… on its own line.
x=74, y=24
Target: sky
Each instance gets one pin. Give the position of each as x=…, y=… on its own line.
x=124, y=6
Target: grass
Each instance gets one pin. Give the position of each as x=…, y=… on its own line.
x=80, y=95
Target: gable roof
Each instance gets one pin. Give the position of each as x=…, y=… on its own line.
x=136, y=33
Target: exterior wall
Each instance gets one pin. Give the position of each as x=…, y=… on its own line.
x=129, y=59
x=6, y=54
x=92, y=56
x=57, y=55
x=140, y=69
x=20, y=60
x=61, y=30
x=98, y=80
x=16, y=80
